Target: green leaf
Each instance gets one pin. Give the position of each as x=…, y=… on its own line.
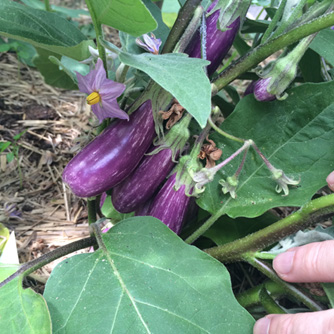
x=42, y=29
x=22, y=310
x=25, y=51
x=4, y=145
x=110, y=212
x=19, y=135
x=70, y=12
x=227, y=229
x=53, y=76
x=10, y=157
x=178, y=74
x=144, y=279
x=4, y=236
x=310, y=66
x=329, y=289
x=296, y=135
x=131, y=17
x=323, y=44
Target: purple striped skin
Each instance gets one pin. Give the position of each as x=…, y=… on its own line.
x=250, y=88
x=144, y=209
x=170, y=206
x=137, y=188
x=218, y=42
x=260, y=90
x=111, y=156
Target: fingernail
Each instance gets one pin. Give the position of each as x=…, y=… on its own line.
x=262, y=326
x=330, y=180
x=283, y=262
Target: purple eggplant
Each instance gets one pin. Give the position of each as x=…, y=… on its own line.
x=260, y=90
x=142, y=183
x=250, y=88
x=111, y=156
x=218, y=42
x=144, y=209
x=152, y=170
x=170, y=205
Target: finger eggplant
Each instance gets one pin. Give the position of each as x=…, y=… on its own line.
x=111, y=156
x=170, y=205
x=136, y=189
x=218, y=42
x=141, y=184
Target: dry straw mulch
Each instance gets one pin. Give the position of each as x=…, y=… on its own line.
x=57, y=125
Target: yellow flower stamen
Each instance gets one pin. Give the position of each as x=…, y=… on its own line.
x=93, y=98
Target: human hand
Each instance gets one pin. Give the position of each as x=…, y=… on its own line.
x=309, y=263
x=330, y=180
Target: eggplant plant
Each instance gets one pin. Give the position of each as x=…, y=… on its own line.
x=194, y=179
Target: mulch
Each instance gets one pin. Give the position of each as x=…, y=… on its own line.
x=57, y=124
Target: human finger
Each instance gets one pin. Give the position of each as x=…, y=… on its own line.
x=321, y=322
x=330, y=180
x=309, y=263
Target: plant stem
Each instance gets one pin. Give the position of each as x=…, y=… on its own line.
x=286, y=22
x=91, y=204
x=274, y=21
x=183, y=19
x=292, y=290
x=269, y=303
x=35, y=264
x=99, y=34
x=190, y=30
x=202, y=229
x=309, y=214
x=223, y=133
x=47, y=6
x=253, y=57
x=251, y=297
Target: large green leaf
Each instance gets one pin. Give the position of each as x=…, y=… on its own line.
x=227, y=229
x=178, y=74
x=144, y=279
x=52, y=74
x=296, y=135
x=42, y=29
x=21, y=310
x=323, y=44
x=63, y=10
x=131, y=17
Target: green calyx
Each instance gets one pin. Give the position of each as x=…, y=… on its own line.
x=185, y=169
x=284, y=70
x=175, y=139
x=229, y=11
x=230, y=185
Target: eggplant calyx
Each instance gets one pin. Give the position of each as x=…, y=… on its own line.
x=175, y=139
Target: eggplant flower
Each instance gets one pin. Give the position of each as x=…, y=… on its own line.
x=102, y=93
x=150, y=44
x=283, y=181
x=230, y=185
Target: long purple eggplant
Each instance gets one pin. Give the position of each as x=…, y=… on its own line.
x=170, y=205
x=136, y=189
x=111, y=156
x=141, y=184
x=218, y=42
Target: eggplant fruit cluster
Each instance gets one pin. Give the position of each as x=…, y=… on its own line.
x=116, y=158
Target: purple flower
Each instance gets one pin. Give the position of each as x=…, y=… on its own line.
x=150, y=44
x=102, y=93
